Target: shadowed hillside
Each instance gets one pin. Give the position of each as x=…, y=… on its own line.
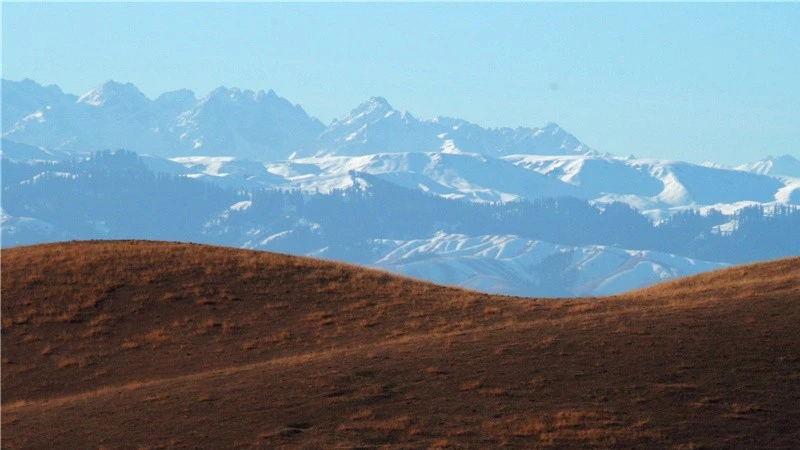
x=158, y=345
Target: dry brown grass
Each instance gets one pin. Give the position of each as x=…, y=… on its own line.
x=222, y=348
x=392, y=424
x=472, y=384
x=129, y=345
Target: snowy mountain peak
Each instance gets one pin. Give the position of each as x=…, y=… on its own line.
x=112, y=93
x=373, y=110
x=373, y=104
x=379, y=102
x=375, y=127
x=552, y=128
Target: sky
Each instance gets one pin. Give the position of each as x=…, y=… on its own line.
x=695, y=82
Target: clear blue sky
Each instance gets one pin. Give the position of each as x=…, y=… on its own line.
x=696, y=82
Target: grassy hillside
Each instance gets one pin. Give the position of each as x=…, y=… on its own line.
x=161, y=345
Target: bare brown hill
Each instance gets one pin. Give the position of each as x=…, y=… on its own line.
x=159, y=345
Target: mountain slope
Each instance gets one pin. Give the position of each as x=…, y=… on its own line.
x=214, y=347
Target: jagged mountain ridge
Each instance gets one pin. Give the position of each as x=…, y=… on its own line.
x=245, y=124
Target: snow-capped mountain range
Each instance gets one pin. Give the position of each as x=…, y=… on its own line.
x=244, y=124
x=251, y=140
x=256, y=139
x=116, y=115
x=652, y=186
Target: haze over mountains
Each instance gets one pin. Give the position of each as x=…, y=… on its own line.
x=219, y=155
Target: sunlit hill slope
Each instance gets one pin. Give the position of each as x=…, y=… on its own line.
x=160, y=345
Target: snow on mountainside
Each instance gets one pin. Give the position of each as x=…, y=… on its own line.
x=653, y=186
x=471, y=176
x=376, y=127
x=785, y=165
x=517, y=266
x=120, y=96
x=659, y=186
